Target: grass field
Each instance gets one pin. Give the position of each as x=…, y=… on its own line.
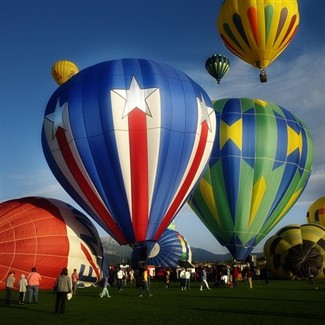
x=279, y=302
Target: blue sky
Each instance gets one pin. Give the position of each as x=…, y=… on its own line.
x=182, y=33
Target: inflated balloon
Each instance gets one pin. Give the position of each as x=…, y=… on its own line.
x=258, y=31
x=63, y=70
x=294, y=249
x=316, y=212
x=217, y=65
x=128, y=139
x=260, y=163
x=170, y=249
x=50, y=235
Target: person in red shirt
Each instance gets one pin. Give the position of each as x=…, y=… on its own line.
x=74, y=279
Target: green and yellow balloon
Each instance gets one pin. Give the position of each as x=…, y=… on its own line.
x=260, y=163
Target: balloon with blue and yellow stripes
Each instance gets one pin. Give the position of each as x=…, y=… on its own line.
x=260, y=164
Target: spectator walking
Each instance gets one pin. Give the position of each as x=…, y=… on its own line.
x=105, y=291
x=144, y=286
x=62, y=287
x=22, y=287
x=203, y=278
x=33, y=281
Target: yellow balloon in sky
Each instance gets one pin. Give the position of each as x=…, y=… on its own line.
x=258, y=31
x=63, y=70
x=316, y=212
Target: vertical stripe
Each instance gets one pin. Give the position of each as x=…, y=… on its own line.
x=139, y=172
x=83, y=184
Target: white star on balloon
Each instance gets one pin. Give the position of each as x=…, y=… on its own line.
x=206, y=111
x=57, y=117
x=135, y=97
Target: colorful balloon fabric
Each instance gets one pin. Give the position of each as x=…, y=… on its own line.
x=258, y=31
x=171, y=248
x=218, y=66
x=260, y=163
x=63, y=70
x=128, y=139
x=316, y=212
x=50, y=235
x=294, y=249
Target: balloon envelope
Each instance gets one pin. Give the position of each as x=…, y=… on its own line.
x=217, y=65
x=294, y=249
x=260, y=163
x=128, y=139
x=316, y=212
x=171, y=248
x=258, y=31
x=63, y=70
x=50, y=235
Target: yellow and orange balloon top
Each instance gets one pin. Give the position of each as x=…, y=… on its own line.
x=258, y=31
x=63, y=70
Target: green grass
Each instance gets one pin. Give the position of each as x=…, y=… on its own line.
x=279, y=302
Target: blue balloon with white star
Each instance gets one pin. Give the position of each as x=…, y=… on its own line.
x=128, y=139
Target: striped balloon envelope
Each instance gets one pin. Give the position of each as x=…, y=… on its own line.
x=260, y=164
x=128, y=139
x=50, y=235
x=170, y=249
x=296, y=249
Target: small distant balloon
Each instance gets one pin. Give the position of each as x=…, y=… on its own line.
x=316, y=212
x=63, y=70
x=218, y=66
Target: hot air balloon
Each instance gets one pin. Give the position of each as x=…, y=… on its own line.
x=294, y=249
x=63, y=70
x=316, y=212
x=50, y=235
x=169, y=250
x=260, y=163
x=128, y=139
x=258, y=31
x=217, y=65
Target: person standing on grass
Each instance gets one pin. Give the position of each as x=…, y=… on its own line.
x=9, y=287
x=33, y=281
x=182, y=277
x=62, y=287
x=74, y=279
x=120, y=275
x=235, y=276
x=167, y=278
x=250, y=278
x=22, y=287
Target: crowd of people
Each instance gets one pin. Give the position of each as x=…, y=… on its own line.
x=66, y=286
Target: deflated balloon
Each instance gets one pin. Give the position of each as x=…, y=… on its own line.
x=128, y=139
x=217, y=65
x=258, y=31
x=63, y=70
x=296, y=250
x=316, y=212
x=260, y=163
x=50, y=235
